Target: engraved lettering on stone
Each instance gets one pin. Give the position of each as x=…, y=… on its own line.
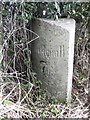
x=60, y=51
x=54, y=53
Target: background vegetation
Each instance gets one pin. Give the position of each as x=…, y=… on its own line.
x=21, y=95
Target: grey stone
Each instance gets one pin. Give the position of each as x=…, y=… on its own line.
x=52, y=56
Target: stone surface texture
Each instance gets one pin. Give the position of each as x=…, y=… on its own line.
x=52, y=56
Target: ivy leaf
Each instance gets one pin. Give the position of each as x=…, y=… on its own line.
x=55, y=112
x=26, y=61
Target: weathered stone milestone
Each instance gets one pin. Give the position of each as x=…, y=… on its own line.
x=52, y=56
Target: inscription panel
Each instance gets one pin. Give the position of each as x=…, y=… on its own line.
x=58, y=52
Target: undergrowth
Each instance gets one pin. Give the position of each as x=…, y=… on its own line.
x=21, y=95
